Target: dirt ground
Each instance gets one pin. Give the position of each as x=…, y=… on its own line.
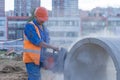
x=15, y=70
x=12, y=70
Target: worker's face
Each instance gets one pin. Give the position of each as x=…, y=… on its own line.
x=40, y=21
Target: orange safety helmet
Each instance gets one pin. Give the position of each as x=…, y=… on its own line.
x=41, y=13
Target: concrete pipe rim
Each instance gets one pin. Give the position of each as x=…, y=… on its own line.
x=98, y=42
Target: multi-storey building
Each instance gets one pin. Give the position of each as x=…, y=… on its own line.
x=63, y=30
x=22, y=10
x=71, y=8
x=3, y=28
x=9, y=13
x=58, y=8
x=16, y=26
x=2, y=8
x=99, y=19
x=25, y=7
x=106, y=12
x=92, y=25
x=65, y=8
x=113, y=25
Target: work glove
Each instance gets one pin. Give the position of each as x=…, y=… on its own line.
x=55, y=61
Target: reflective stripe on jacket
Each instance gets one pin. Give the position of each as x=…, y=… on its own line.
x=31, y=51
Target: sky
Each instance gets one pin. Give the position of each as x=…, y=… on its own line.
x=83, y=4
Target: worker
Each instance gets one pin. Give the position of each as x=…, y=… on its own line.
x=36, y=39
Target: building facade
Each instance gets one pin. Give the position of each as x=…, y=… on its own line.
x=9, y=13
x=3, y=22
x=113, y=25
x=100, y=20
x=64, y=31
x=58, y=8
x=3, y=29
x=92, y=25
x=2, y=8
x=25, y=7
x=62, y=8
x=16, y=26
x=106, y=12
x=71, y=8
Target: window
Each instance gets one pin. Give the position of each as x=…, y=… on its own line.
x=22, y=14
x=1, y=33
x=16, y=14
x=27, y=14
x=2, y=23
x=71, y=34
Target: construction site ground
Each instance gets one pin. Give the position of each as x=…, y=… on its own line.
x=15, y=70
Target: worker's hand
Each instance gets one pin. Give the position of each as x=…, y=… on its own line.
x=56, y=48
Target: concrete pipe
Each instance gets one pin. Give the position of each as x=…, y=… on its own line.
x=93, y=59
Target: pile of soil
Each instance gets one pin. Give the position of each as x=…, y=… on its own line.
x=15, y=70
x=12, y=70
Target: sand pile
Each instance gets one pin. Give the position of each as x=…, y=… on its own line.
x=12, y=70
x=15, y=70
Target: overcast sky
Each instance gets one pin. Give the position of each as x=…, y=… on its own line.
x=83, y=4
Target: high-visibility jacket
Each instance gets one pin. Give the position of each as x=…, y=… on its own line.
x=31, y=52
